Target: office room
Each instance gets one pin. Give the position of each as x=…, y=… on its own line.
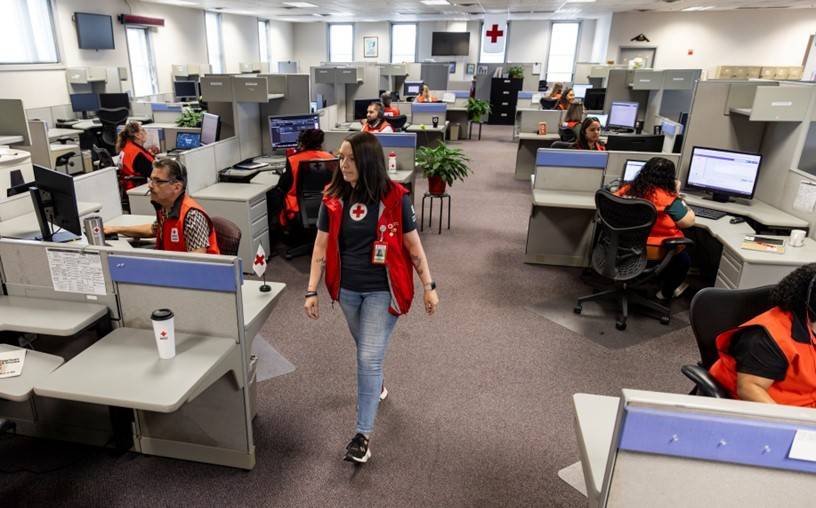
x=418, y=253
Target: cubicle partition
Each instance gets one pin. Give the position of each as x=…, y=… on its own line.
x=529, y=141
x=102, y=187
x=422, y=113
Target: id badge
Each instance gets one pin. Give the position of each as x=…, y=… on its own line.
x=378, y=253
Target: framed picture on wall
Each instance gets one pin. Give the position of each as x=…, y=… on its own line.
x=470, y=69
x=452, y=68
x=370, y=46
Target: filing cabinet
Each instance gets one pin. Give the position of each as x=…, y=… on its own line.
x=503, y=100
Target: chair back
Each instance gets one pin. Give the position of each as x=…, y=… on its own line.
x=716, y=310
x=313, y=177
x=562, y=144
x=397, y=122
x=111, y=118
x=547, y=103
x=567, y=134
x=623, y=226
x=103, y=156
x=228, y=235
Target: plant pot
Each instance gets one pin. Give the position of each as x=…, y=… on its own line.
x=436, y=185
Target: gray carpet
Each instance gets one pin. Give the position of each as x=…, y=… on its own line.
x=480, y=408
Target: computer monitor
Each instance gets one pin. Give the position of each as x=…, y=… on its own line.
x=188, y=140
x=724, y=173
x=84, y=102
x=114, y=100
x=284, y=131
x=631, y=170
x=594, y=98
x=210, y=128
x=623, y=115
x=580, y=90
x=184, y=90
x=412, y=88
x=361, y=107
x=634, y=142
x=55, y=204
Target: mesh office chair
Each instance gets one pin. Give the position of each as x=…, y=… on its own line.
x=313, y=177
x=103, y=157
x=619, y=253
x=562, y=144
x=228, y=236
x=111, y=118
x=547, y=103
x=397, y=122
x=567, y=134
x=714, y=311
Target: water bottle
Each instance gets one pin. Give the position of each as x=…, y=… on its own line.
x=94, y=231
x=392, y=162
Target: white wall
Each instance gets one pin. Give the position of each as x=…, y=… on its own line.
x=311, y=44
x=281, y=42
x=736, y=37
x=425, y=38
x=240, y=41
x=528, y=41
x=381, y=30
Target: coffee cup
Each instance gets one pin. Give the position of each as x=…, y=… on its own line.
x=797, y=238
x=164, y=332
x=435, y=121
x=542, y=128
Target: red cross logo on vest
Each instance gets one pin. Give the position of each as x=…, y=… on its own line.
x=358, y=212
x=494, y=33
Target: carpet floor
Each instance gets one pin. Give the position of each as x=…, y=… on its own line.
x=480, y=406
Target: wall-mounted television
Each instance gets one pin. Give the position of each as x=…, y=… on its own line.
x=94, y=31
x=450, y=44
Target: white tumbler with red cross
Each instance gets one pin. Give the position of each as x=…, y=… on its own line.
x=164, y=331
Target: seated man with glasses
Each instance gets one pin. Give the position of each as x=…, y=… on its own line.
x=181, y=224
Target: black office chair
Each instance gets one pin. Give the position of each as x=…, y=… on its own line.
x=567, y=134
x=619, y=253
x=547, y=103
x=397, y=122
x=111, y=118
x=714, y=311
x=313, y=177
x=562, y=144
x=228, y=236
x=103, y=156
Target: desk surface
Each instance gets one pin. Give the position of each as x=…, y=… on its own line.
x=417, y=127
x=35, y=367
x=124, y=369
x=733, y=235
x=257, y=305
x=269, y=178
x=534, y=136
x=141, y=190
x=401, y=176
x=757, y=210
x=232, y=191
x=27, y=224
x=14, y=157
x=63, y=133
x=10, y=140
x=595, y=417
x=131, y=220
x=49, y=317
x=564, y=199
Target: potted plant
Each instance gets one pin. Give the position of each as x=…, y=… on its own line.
x=476, y=109
x=516, y=72
x=189, y=118
x=442, y=165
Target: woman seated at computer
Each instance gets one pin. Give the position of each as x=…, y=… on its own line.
x=771, y=358
x=572, y=120
x=566, y=99
x=658, y=183
x=555, y=93
x=136, y=161
x=425, y=95
x=589, y=135
x=389, y=110
x=310, y=147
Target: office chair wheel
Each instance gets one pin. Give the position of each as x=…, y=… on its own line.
x=578, y=308
x=620, y=324
x=664, y=320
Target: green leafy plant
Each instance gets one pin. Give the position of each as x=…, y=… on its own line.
x=189, y=118
x=516, y=72
x=477, y=108
x=441, y=161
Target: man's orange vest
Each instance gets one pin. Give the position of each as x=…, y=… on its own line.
x=799, y=386
x=170, y=234
x=291, y=207
x=379, y=128
x=129, y=153
x=391, y=111
x=664, y=227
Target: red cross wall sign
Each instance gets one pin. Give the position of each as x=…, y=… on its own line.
x=494, y=34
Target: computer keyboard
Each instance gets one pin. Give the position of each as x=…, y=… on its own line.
x=707, y=213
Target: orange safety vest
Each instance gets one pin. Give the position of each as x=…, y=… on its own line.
x=170, y=233
x=291, y=208
x=391, y=111
x=129, y=153
x=430, y=98
x=379, y=128
x=664, y=227
x=799, y=386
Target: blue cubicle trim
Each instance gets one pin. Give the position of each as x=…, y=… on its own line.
x=460, y=94
x=526, y=95
x=397, y=140
x=172, y=273
x=571, y=158
x=732, y=440
x=428, y=107
x=160, y=106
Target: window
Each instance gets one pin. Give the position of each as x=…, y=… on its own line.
x=28, y=32
x=563, y=46
x=403, y=42
x=341, y=43
x=497, y=57
x=142, y=62
x=263, y=39
x=215, y=42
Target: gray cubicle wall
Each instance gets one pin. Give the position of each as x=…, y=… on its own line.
x=618, y=88
x=368, y=89
x=435, y=75
x=295, y=102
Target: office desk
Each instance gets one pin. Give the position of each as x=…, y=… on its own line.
x=10, y=140
x=131, y=220
x=257, y=306
x=55, y=134
x=560, y=228
x=123, y=369
x=595, y=417
x=268, y=178
x=26, y=225
x=49, y=317
x=85, y=125
x=528, y=144
x=755, y=209
x=139, y=200
x=428, y=135
x=35, y=367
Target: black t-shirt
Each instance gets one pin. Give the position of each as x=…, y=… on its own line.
x=758, y=354
x=357, y=234
x=142, y=165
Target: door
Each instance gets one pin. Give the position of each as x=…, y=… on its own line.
x=647, y=54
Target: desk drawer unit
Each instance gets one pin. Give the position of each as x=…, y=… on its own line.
x=730, y=268
x=251, y=219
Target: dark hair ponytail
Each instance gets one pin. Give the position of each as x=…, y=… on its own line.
x=373, y=182
x=128, y=133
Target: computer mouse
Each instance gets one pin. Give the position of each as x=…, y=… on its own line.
x=736, y=220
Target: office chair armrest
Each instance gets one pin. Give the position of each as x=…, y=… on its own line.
x=705, y=385
x=673, y=247
x=676, y=242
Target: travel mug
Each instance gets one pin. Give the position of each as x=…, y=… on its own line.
x=435, y=121
x=797, y=238
x=93, y=230
x=164, y=332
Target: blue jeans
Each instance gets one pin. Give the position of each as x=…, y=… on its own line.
x=371, y=325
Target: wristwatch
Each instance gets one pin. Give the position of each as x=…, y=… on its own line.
x=432, y=286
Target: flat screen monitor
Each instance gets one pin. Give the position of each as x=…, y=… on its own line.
x=634, y=142
x=188, y=140
x=412, y=88
x=594, y=98
x=623, y=115
x=185, y=89
x=450, y=44
x=284, y=131
x=84, y=102
x=724, y=173
x=361, y=107
x=631, y=170
x=94, y=31
x=114, y=100
x=55, y=204
x=210, y=127
x=580, y=90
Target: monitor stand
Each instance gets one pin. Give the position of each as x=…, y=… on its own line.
x=721, y=198
x=42, y=200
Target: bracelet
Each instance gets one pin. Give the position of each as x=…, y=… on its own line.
x=310, y=294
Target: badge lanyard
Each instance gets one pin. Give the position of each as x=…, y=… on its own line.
x=379, y=249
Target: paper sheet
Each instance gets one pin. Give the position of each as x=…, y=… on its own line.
x=76, y=272
x=803, y=446
x=805, y=197
x=11, y=363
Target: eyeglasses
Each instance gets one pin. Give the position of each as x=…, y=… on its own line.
x=159, y=181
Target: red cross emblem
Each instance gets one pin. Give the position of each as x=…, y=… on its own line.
x=494, y=33
x=358, y=212
x=259, y=260
x=164, y=333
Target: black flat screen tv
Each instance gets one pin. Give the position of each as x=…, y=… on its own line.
x=450, y=44
x=94, y=31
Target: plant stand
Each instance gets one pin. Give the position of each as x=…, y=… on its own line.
x=441, y=198
x=470, y=128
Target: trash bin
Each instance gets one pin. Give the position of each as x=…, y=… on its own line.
x=454, y=132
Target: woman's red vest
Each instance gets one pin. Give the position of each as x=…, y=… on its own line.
x=129, y=153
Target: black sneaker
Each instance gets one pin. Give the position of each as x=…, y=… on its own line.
x=357, y=450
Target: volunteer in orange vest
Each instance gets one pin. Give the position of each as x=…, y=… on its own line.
x=589, y=135
x=135, y=159
x=772, y=357
x=375, y=119
x=181, y=224
x=658, y=183
x=425, y=95
x=368, y=245
x=310, y=147
x=388, y=109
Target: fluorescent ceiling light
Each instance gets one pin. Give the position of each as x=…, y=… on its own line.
x=302, y=5
x=687, y=9
x=180, y=2
x=580, y=1
x=435, y=2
